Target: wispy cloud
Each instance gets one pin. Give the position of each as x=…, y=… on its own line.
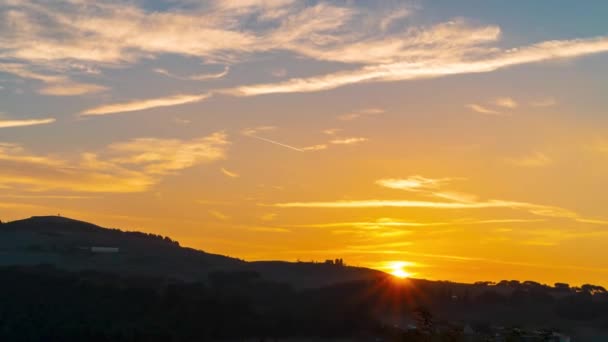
x=257, y=129
x=137, y=105
x=279, y=72
x=348, y=141
x=164, y=156
x=405, y=204
x=268, y=217
x=506, y=102
x=22, y=123
x=544, y=102
x=45, y=37
x=432, y=68
x=331, y=131
x=219, y=215
x=197, y=77
x=393, y=17
x=360, y=113
x=130, y=166
x=427, y=186
x=456, y=201
x=72, y=89
x=413, y=183
x=396, y=223
x=536, y=159
x=318, y=147
x=56, y=85
x=455, y=196
x=483, y=110
x=536, y=209
x=230, y=174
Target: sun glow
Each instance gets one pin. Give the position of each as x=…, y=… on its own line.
x=397, y=269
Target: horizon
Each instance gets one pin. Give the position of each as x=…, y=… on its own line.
x=397, y=269
x=461, y=142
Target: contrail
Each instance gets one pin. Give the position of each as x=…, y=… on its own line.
x=276, y=143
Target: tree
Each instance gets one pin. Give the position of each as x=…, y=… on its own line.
x=424, y=320
x=593, y=289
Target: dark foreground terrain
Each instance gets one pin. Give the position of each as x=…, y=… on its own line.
x=139, y=287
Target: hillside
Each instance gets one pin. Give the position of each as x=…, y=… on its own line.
x=76, y=245
x=169, y=290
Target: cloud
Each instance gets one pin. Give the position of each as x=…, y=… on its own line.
x=61, y=197
x=268, y=217
x=83, y=36
x=256, y=130
x=506, y=102
x=358, y=114
x=229, y=173
x=427, y=186
x=456, y=201
x=379, y=223
x=405, y=204
x=131, y=166
x=413, y=183
x=318, y=147
x=164, y=156
x=268, y=229
x=138, y=105
x=348, y=141
x=280, y=72
x=536, y=209
x=22, y=123
x=45, y=37
x=536, y=159
x=198, y=77
x=433, y=67
x=544, y=102
x=71, y=89
x=180, y=121
x=394, y=16
x=455, y=196
x=218, y=215
x=56, y=85
x=481, y=109
x=331, y=131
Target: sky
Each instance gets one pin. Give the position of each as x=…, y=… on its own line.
x=461, y=140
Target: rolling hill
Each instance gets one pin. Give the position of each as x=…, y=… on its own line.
x=76, y=245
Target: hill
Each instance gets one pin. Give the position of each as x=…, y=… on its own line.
x=76, y=245
x=73, y=280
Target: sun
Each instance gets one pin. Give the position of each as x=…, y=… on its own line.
x=397, y=269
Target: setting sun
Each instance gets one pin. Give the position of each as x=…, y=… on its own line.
x=397, y=269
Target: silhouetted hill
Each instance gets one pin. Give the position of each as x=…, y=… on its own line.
x=110, y=285
x=50, y=224
x=76, y=245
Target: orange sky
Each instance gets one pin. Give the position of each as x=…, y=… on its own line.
x=457, y=141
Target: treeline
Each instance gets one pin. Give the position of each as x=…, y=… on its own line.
x=532, y=285
x=45, y=304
